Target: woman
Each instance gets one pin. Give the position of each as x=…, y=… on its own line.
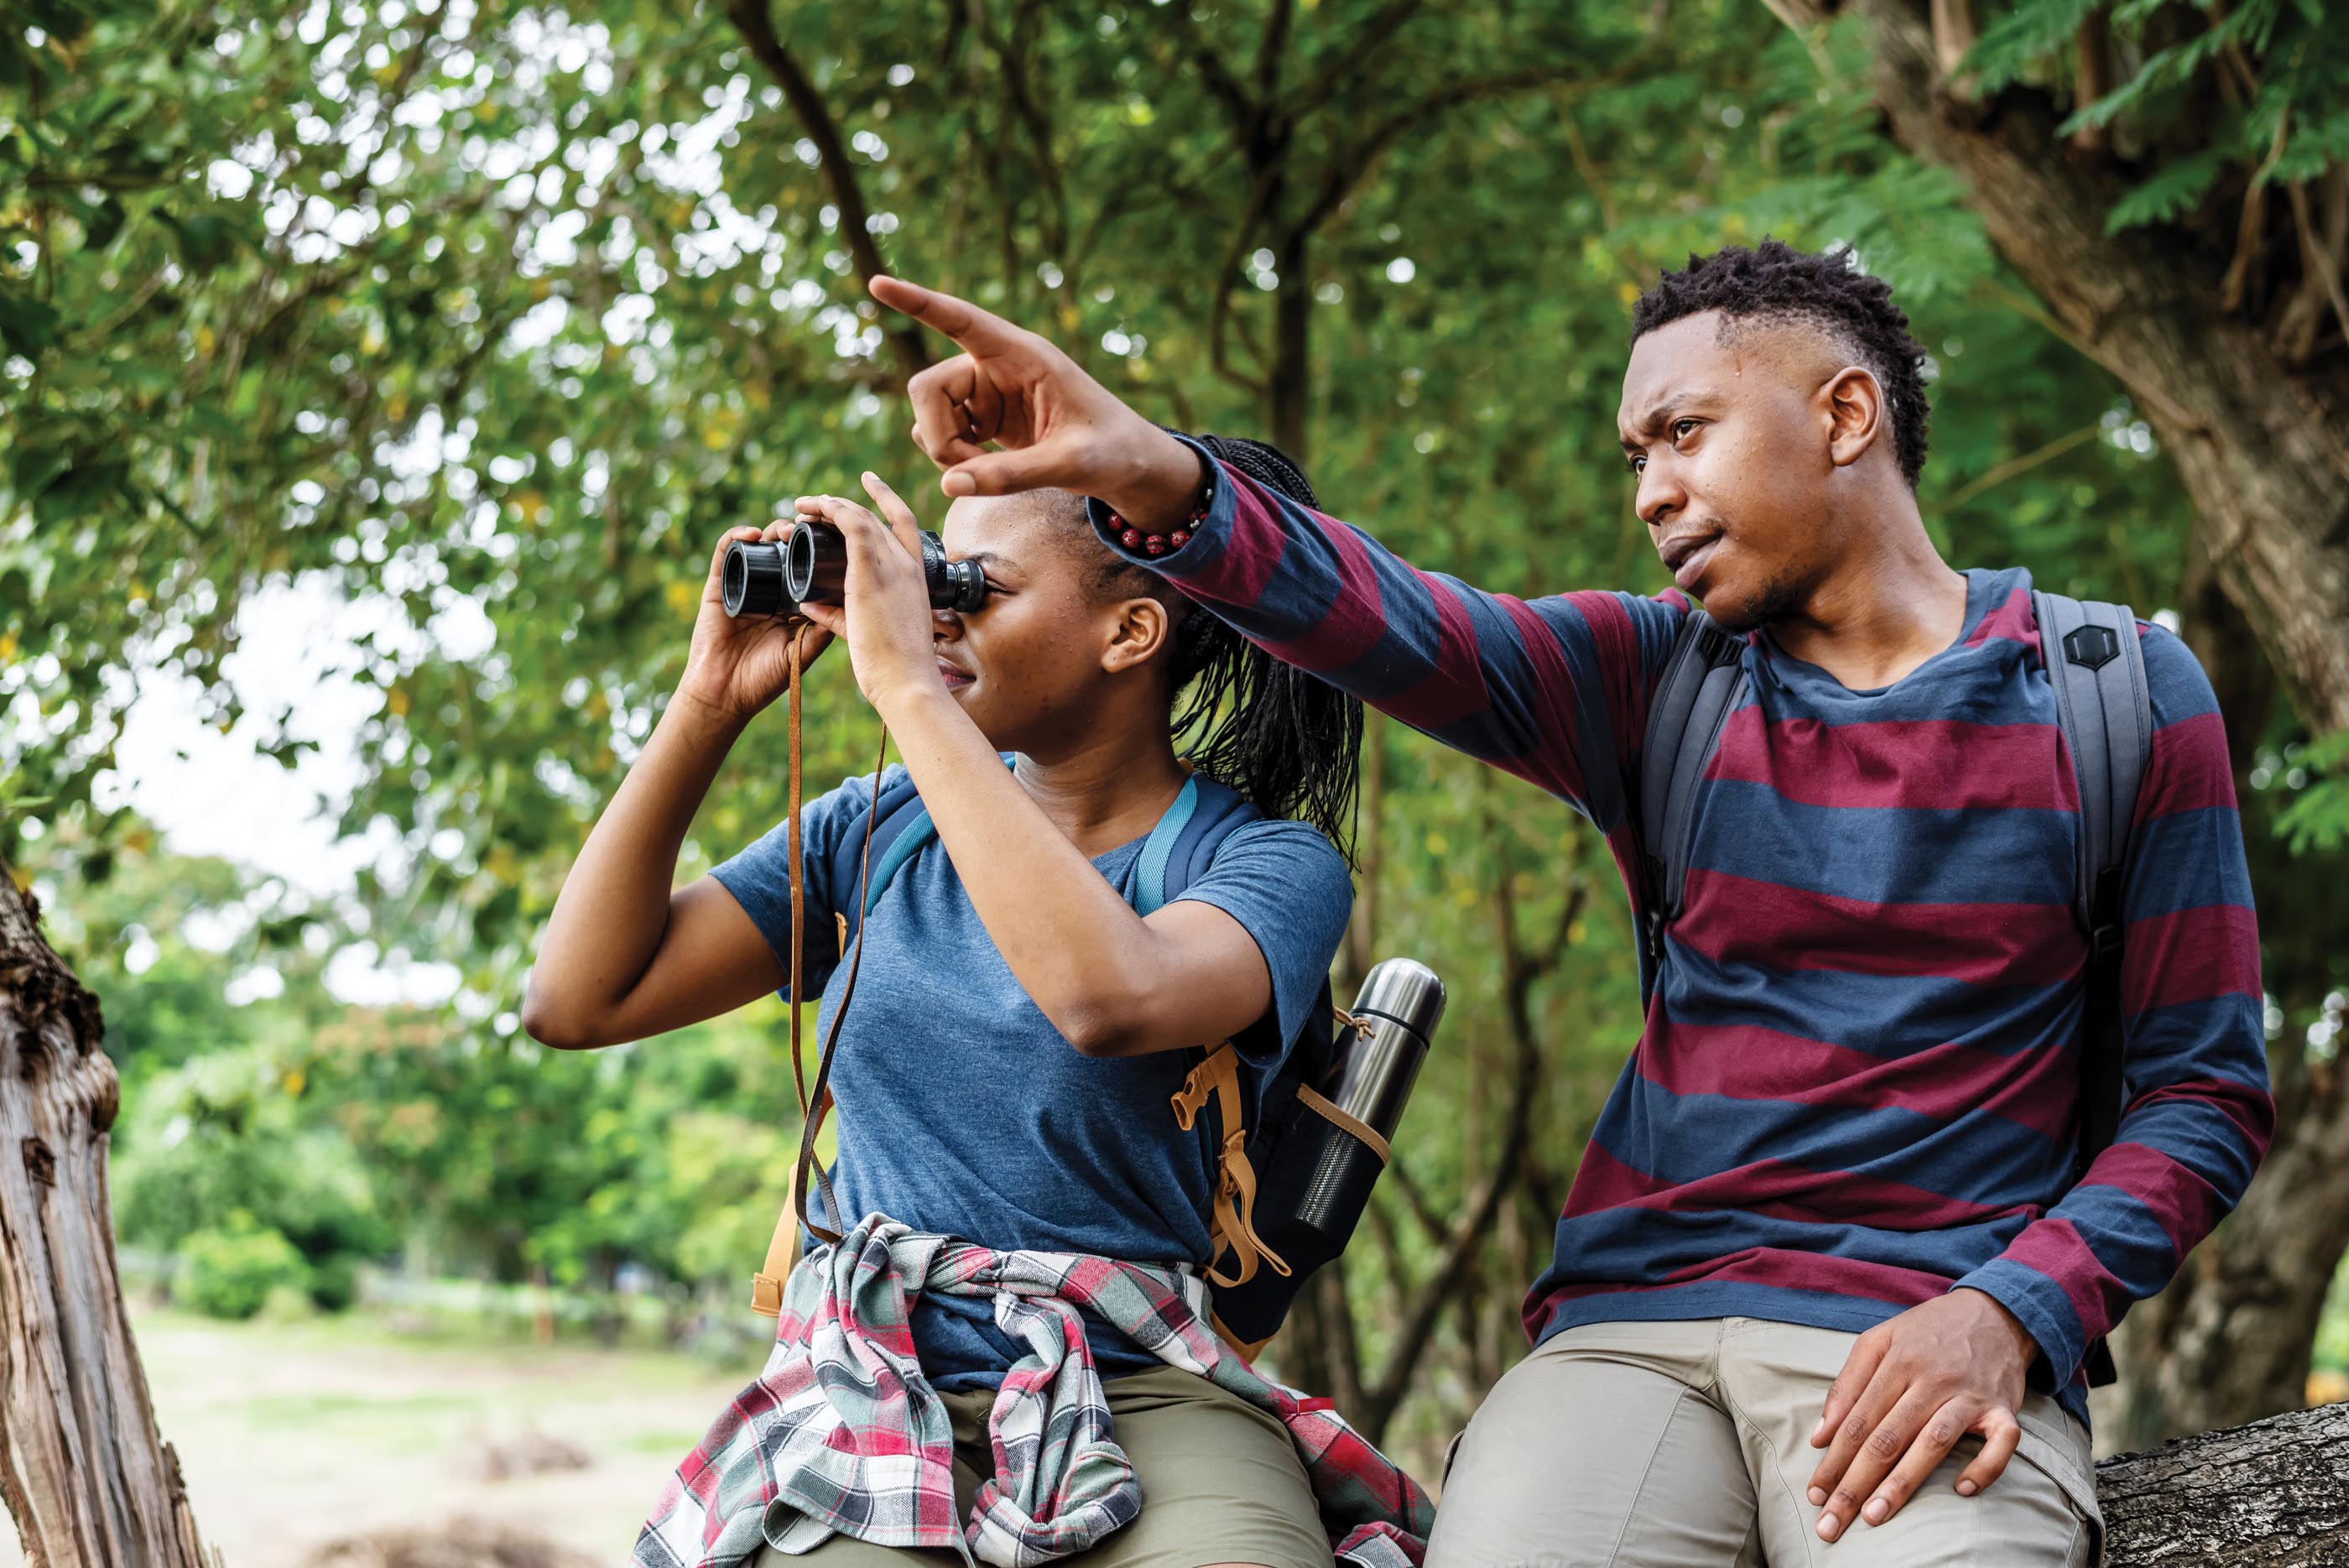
x=1003, y=1076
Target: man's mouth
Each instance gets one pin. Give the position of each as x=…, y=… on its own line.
x=955, y=676
x=1686, y=555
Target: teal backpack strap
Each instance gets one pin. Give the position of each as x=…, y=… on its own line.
x=1150, y=873
x=906, y=838
x=1150, y=889
x=918, y=830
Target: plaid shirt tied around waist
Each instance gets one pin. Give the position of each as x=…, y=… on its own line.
x=842, y=1434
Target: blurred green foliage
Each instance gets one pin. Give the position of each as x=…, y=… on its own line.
x=232, y=1270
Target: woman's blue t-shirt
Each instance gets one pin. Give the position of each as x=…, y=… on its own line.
x=962, y=1111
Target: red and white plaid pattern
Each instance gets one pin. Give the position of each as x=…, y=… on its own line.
x=842, y=1434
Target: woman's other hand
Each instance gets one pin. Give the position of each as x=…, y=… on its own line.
x=735, y=667
x=1061, y=428
x=885, y=610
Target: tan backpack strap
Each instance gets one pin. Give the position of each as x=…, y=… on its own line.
x=783, y=1256
x=1329, y=1111
x=1232, y=1210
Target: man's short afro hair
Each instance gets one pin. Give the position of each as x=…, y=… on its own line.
x=1774, y=282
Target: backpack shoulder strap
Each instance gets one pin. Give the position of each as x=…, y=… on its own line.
x=1705, y=676
x=1186, y=840
x=905, y=826
x=1151, y=887
x=2094, y=662
x=1220, y=1085
x=2098, y=669
x=894, y=813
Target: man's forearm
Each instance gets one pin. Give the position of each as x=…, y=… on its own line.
x=1538, y=689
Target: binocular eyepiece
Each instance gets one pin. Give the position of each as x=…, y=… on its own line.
x=811, y=566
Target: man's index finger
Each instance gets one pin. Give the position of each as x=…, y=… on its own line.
x=976, y=330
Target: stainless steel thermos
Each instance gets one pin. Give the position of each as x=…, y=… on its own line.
x=1318, y=1167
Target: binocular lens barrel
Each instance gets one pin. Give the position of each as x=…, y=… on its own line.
x=811, y=568
x=750, y=581
x=815, y=562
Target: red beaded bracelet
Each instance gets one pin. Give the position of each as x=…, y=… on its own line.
x=1133, y=538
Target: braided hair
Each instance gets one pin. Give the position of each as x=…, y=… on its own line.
x=1288, y=740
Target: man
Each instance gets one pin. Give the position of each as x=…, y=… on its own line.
x=1829, y=1204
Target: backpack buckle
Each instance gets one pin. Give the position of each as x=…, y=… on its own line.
x=2091, y=646
x=1716, y=646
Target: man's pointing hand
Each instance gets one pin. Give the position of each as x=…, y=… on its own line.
x=1060, y=429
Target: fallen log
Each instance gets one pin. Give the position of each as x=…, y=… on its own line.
x=2273, y=1494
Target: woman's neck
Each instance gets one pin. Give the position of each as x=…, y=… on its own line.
x=1106, y=788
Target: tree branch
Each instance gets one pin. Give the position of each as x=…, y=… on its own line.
x=1222, y=86
x=752, y=19
x=1354, y=163
x=1035, y=118
x=1268, y=53
x=2000, y=472
x=1520, y=971
x=1227, y=273
x=1375, y=34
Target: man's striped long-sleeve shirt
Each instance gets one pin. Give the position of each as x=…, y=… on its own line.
x=1857, y=1083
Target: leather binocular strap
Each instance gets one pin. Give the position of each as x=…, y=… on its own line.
x=815, y=1100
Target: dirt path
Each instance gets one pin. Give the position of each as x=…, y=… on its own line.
x=295, y=1436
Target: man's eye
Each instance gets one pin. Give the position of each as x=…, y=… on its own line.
x=1637, y=464
x=1680, y=428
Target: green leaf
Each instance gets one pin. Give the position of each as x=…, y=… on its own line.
x=2172, y=192
x=2012, y=47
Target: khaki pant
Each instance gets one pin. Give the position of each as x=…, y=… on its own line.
x=1687, y=1445
x=1221, y=1482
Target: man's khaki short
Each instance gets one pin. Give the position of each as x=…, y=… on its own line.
x=1221, y=1482
x=1687, y=1445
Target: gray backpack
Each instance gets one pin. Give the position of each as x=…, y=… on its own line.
x=2102, y=703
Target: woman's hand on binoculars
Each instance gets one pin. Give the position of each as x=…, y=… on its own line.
x=884, y=612
x=735, y=667
x=1061, y=429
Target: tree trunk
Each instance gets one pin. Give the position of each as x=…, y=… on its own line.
x=1289, y=389
x=87, y=1478
x=2230, y=1338
x=2233, y=1333
x=2262, y=452
x=2274, y=1494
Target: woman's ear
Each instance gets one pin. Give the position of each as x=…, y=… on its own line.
x=1138, y=629
x=1853, y=403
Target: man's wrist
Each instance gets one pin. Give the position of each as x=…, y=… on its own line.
x=2026, y=1344
x=1165, y=488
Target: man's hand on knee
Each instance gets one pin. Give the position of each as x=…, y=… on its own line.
x=1912, y=1387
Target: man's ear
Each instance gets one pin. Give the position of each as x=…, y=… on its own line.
x=1138, y=629
x=1853, y=405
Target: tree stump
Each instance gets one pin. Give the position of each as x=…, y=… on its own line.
x=2274, y=1494
x=83, y=1470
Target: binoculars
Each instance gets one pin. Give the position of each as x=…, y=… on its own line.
x=811, y=566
